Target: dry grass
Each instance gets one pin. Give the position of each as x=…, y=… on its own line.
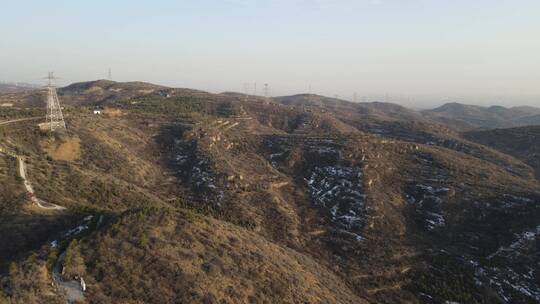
x=264, y=240
x=203, y=260
x=68, y=149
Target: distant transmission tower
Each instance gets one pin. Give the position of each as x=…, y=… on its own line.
x=246, y=90
x=266, y=91
x=55, y=119
x=110, y=74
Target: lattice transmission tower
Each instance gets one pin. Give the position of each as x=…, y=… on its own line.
x=266, y=93
x=55, y=119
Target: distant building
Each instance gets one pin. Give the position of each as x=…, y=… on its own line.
x=97, y=112
x=6, y=105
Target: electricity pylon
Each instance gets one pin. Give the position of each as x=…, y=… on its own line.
x=55, y=119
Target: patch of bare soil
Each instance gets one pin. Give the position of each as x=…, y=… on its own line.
x=112, y=112
x=67, y=149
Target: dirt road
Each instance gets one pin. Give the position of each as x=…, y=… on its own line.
x=20, y=119
x=41, y=204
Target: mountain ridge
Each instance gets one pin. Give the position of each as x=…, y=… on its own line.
x=224, y=196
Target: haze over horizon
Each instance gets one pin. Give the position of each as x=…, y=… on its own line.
x=419, y=53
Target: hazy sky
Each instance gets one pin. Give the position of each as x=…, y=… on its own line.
x=483, y=51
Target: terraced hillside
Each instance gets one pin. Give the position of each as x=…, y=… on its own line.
x=183, y=196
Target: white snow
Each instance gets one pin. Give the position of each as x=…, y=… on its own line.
x=339, y=189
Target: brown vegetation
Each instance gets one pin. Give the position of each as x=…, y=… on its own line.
x=226, y=199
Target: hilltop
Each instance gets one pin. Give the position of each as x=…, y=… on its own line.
x=102, y=91
x=377, y=110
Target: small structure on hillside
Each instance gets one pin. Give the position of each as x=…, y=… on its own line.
x=83, y=284
x=97, y=112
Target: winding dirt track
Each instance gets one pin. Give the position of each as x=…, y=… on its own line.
x=72, y=289
x=41, y=204
x=22, y=172
x=17, y=120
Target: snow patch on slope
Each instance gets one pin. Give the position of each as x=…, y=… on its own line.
x=338, y=189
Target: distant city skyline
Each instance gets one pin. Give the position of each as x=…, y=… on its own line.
x=420, y=53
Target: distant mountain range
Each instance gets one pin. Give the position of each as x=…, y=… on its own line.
x=457, y=116
x=474, y=117
x=15, y=87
